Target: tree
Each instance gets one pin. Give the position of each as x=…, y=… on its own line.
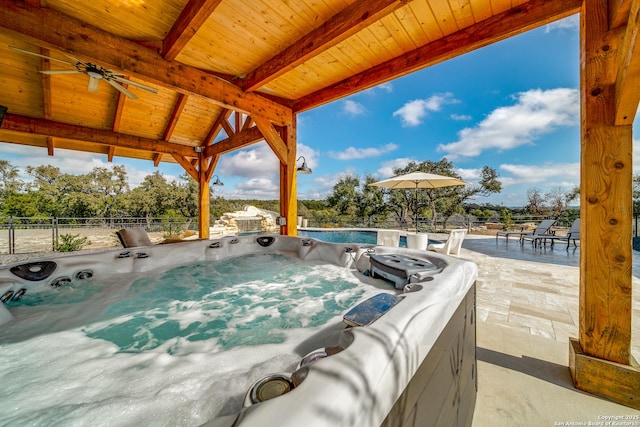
x=344, y=197
x=536, y=203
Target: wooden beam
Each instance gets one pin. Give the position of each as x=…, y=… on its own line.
x=619, y=13
x=45, y=65
x=34, y=25
x=341, y=26
x=194, y=14
x=111, y=154
x=217, y=126
x=157, y=158
x=600, y=360
x=272, y=136
x=45, y=127
x=628, y=74
x=50, y=146
x=186, y=164
x=288, y=180
x=239, y=140
x=514, y=21
x=205, y=171
x=175, y=116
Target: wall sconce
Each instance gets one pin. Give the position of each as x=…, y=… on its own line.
x=217, y=182
x=304, y=169
x=197, y=149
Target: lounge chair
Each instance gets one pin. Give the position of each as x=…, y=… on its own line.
x=572, y=234
x=453, y=244
x=388, y=238
x=134, y=237
x=542, y=228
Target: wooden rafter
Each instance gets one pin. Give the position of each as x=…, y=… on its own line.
x=234, y=142
x=175, y=116
x=45, y=64
x=217, y=126
x=339, y=27
x=45, y=127
x=499, y=27
x=628, y=74
x=194, y=14
x=117, y=118
x=187, y=165
x=157, y=158
x=619, y=13
x=273, y=138
x=118, y=53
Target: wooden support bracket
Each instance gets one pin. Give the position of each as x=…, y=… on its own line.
x=610, y=380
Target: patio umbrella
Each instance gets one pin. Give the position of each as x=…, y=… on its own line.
x=418, y=180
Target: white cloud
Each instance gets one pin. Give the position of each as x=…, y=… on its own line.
x=536, y=112
x=469, y=174
x=352, y=153
x=387, y=87
x=567, y=173
x=460, y=117
x=413, y=112
x=353, y=108
x=571, y=23
x=386, y=170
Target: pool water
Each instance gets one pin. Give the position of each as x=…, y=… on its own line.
x=347, y=236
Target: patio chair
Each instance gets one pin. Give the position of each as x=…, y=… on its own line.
x=388, y=238
x=133, y=237
x=542, y=228
x=572, y=234
x=453, y=244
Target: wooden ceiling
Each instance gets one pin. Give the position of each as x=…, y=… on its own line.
x=219, y=64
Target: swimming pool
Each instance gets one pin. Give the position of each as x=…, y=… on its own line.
x=113, y=344
x=346, y=236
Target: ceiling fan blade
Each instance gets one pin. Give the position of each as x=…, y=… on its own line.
x=93, y=84
x=136, y=84
x=122, y=89
x=41, y=56
x=60, y=71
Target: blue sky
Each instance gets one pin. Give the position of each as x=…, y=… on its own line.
x=513, y=106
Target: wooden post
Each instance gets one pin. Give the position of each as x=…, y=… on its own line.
x=204, y=196
x=288, y=192
x=600, y=360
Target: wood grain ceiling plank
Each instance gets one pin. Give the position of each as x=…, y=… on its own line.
x=194, y=14
x=500, y=6
x=481, y=9
x=462, y=13
x=338, y=28
x=514, y=21
x=121, y=54
x=445, y=19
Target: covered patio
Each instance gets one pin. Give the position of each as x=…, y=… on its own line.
x=230, y=73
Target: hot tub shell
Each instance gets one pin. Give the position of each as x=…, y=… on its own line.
x=413, y=366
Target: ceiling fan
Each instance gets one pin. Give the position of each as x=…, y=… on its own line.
x=95, y=73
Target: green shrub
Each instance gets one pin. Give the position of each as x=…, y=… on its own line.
x=71, y=242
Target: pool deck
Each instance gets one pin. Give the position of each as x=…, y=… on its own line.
x=527, y=306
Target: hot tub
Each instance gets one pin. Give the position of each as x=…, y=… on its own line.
x=411, y=362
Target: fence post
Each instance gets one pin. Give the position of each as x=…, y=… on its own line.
x=12, y=236
x=54, y=233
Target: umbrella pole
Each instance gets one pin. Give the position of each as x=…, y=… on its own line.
x=416, y=222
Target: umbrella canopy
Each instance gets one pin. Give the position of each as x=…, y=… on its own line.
x=419, y=180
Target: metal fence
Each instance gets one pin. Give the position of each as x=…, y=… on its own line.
x=28, y=235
